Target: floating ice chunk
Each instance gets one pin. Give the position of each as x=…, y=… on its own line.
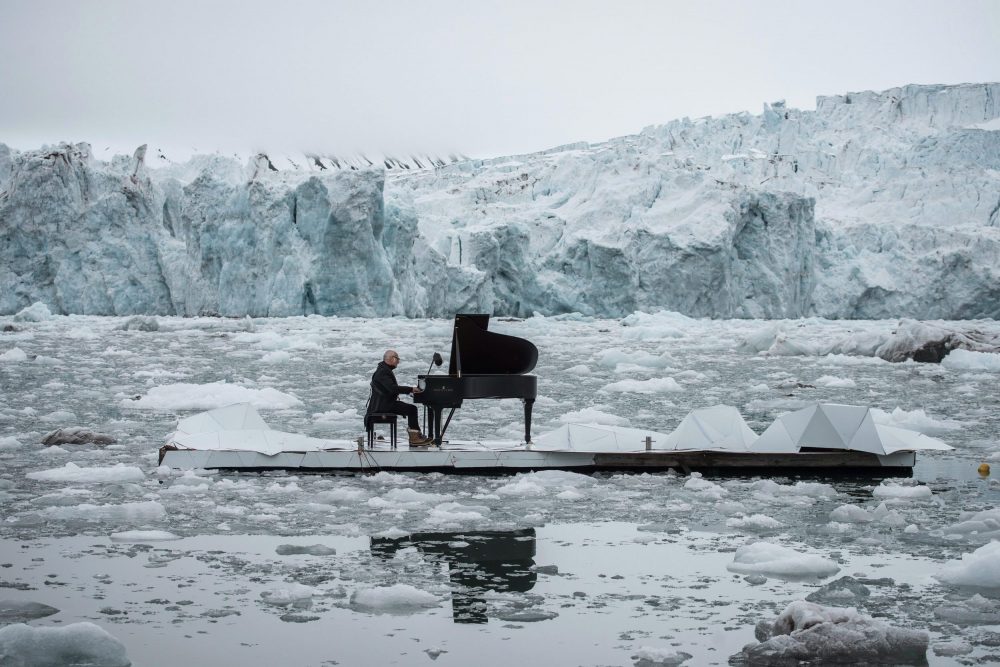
x=843, y=591
x=783, y=346
x=769, y=558
x=980, y=568
x=58, y=416
x=653, y=386
x=967, y=360
x=647, y=656
x=756, y=522
x=350, y=416
x=434, y=652
x=456, y=513
x=275, y=487
x=36, y=312
x=308, y=550
x=390, y=479
x=847, y=360
x=15, y=355
x=141, y=323
x=139, y=512
x=401, y=598
x=759, y=340
x=592, y=416
x=543, y=483
x=276, y=357
x=392, y=533
x=74, y=644
x=408, y=497
x=341, y=495
x=832, y=381
x=289, y=594
x=915, y=420
x=77, y=435
x=704, y=487
x=809, y=632
x=53, y=451
x=74, y=473
x=186, y=396
x=851, y=514
x=10, y=442
x=883, y=514
x=143, y=536
x=984, y=523
x=190, y=478
x=890, y=489
x=954, y=647
x=613, y=357
x=799, y=489
x=526, y=615
x=17, y=611
x=977, y=610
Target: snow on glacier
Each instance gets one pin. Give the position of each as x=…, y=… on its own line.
x=876, y=204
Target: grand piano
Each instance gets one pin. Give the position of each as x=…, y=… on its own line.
x=483, y=364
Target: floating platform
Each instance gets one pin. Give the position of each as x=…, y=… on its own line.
x=820, y=439
x=475, y=459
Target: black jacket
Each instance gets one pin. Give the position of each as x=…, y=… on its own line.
x=385, y=389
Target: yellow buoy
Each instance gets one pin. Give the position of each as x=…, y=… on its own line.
x=984, y=469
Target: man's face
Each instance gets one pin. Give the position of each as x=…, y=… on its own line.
x=393, y=360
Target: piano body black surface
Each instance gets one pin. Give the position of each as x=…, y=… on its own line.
x=483, y=364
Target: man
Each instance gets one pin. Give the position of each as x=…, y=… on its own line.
x=385, y=391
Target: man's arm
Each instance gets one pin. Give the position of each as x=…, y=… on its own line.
x=387, y=384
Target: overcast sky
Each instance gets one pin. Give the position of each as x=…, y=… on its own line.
x=475, y=77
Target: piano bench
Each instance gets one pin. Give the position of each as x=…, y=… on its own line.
x=381, y=418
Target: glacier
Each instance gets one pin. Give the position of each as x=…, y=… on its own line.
x=874, y=205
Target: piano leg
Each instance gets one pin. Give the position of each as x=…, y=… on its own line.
x=528, y=403
x=447, y=421
x=436, y=425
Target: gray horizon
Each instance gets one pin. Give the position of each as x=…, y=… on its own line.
x=445, y=77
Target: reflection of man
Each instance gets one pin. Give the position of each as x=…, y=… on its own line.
x=488, y=561
x=384, y=398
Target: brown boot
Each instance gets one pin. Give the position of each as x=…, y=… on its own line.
x=418, y=439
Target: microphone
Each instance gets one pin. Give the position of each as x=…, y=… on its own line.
x=436, y=360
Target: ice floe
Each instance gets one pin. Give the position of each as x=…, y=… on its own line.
x=775, y=559
x=981, y=568
x=74, y=644
x=398, y=598
x=71, y=472
x=187, y=396
x=808, y=632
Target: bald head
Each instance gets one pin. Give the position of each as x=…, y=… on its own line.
x=391, y=358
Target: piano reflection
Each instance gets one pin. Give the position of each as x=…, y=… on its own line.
x=486, y=560
x=483, y=364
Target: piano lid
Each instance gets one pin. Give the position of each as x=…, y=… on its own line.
x=476, y=351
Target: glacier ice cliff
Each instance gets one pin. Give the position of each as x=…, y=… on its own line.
x=876, y=204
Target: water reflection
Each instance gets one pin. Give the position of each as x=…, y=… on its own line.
x=478, y=562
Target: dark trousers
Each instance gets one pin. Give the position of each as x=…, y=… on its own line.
x=407, y=410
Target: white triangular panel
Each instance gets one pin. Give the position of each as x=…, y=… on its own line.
x=821, y=433
x=796, y=422
x=845, y=418
x=868, y=438
x=775, y=439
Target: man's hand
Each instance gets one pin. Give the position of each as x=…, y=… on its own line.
x=417, y=390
